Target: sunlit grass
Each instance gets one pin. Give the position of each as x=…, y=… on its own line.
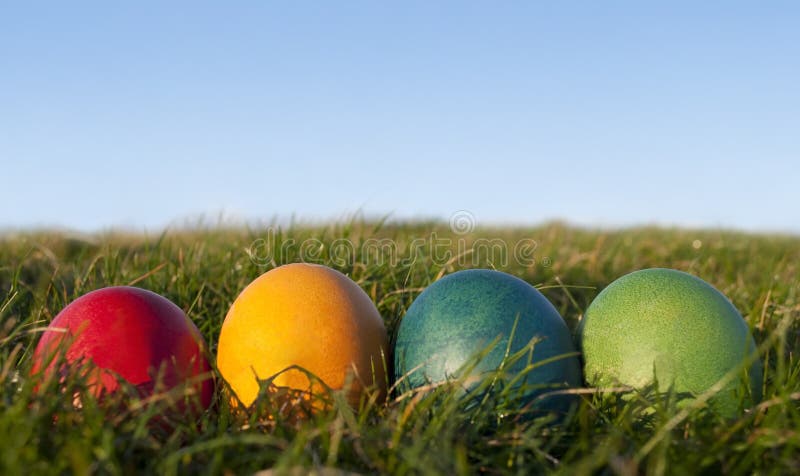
x=440, y=430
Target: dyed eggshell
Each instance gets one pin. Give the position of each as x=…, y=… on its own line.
x=461, y=314
x=128, y=333
x=309, y=316
x=671, y=326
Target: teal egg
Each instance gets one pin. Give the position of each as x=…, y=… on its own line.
x=463, y=313
x=669, y=326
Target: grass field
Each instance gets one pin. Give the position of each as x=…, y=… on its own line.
x=203, y=270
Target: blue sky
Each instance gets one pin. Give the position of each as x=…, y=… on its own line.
x=599, y=113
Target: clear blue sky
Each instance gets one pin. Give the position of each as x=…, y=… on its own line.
x=600, y=113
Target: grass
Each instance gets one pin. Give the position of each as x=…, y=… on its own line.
x=204, y=269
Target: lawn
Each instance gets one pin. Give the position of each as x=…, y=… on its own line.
x=203, y=269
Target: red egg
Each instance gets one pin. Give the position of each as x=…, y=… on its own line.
x=127, y=333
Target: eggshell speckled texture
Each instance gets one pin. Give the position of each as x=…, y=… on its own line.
x=671, y=324
x=461, y=314
x=306, y=315
x=127, y=333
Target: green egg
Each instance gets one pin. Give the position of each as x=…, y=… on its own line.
x=667, y=326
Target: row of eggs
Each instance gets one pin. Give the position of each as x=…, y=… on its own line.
x=301, y=321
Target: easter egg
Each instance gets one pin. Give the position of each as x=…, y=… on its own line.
x=307, y=316
x=130, y=334
x=669, y=326
x=464, y=313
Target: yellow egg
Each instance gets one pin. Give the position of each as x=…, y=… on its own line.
x=309, y=316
